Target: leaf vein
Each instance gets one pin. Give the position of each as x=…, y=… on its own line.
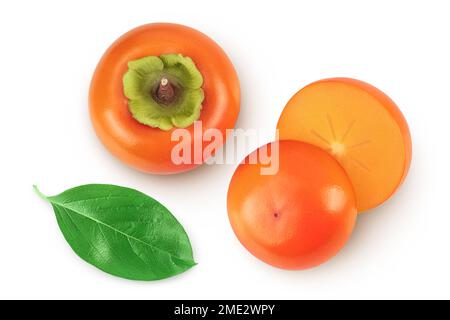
x=123, y=233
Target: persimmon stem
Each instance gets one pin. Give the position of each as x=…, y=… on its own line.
x=165, y=93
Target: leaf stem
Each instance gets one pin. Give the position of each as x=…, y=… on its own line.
x=165, y=92
x=39, y=193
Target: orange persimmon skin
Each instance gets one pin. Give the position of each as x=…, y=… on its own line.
x=140, y=146
x=298, y=218
x=360, y=126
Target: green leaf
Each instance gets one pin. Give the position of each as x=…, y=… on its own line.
x=122, y=232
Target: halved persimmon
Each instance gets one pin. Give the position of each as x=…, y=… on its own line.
x=359, y=125
x=155, y=79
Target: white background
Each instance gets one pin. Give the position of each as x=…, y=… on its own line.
x=48, y=51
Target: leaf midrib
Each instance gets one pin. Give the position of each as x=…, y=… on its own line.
x=119, y=231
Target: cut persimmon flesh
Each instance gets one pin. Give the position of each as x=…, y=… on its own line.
x=358, y=124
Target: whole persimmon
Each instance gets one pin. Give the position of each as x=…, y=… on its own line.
x=155, y=79
x=297, y=217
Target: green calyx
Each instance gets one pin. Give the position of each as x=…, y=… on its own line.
x=164, y=92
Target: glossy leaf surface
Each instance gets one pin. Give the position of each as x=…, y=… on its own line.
x=122, y=232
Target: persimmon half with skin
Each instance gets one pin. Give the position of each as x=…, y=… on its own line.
x=153, y=80
x=297, y=218
x=360, y=126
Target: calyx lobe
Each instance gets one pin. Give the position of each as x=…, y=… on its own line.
x=165, y=91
